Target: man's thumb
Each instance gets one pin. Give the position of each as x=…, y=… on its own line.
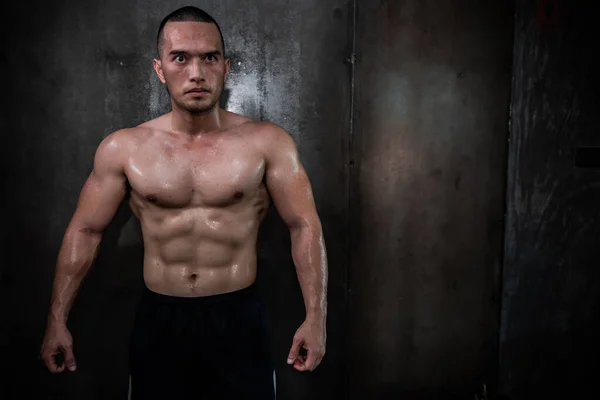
x=294, y=351
x=70, y=359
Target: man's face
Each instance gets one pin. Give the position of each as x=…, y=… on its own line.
x=192, y=64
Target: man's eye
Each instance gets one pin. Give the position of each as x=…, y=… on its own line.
x=180, y=59
x=211, y=58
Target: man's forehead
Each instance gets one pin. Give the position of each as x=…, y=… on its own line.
x=180, y=31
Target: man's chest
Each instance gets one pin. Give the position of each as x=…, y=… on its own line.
x=214, y=174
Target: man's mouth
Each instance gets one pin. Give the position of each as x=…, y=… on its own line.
x=198, y=90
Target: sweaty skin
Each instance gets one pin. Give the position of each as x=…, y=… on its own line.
x=199, y=201
x=200, y=181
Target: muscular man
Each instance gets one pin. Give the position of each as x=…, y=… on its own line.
x=200, y=181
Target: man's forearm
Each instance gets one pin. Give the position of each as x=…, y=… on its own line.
x=310, y=257
x=76, y=255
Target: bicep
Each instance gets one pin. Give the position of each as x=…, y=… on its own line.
x=103, y=191
x=289, y=184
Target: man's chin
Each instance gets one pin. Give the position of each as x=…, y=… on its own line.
x=197, y=108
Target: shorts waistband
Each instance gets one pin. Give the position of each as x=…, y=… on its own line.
x=221, y=298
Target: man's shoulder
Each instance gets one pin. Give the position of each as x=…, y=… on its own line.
x=247, y=124
x=141, y=131
x=269, y=138
x=264, y=131
x=124, y=137
x=116, y=148
x=160, y=123
x=233, y=119
x=119, y=145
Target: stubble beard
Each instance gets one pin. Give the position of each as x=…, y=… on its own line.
x=196, y=108
x=199, y=107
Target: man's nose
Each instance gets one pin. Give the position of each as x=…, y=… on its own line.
x=197, y=72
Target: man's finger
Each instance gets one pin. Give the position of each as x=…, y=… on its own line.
x=51, y=363
x=299, y=363
x=308, y=363
x=70, y=359
x=59, y=368
x=294, y=351
x=311, y=361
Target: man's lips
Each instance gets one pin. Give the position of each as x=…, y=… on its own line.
x=198, y=90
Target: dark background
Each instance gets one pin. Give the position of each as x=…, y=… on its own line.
x=450, y=145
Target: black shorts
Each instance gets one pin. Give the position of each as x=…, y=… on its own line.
x=212, y=347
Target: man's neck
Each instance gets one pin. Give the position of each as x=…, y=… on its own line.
x=183, y=122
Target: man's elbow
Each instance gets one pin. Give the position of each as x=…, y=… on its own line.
x=305, y=223
x=81, y=228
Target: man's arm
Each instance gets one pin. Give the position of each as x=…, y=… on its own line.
x=292, y=196
x=98, y=202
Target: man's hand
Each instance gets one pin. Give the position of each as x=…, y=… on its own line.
x=57, y=341
x=311, y=336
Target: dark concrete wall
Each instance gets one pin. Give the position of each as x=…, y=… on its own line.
x=432, y=94
x=550, y=315
x=410, y=190
x=77, y=71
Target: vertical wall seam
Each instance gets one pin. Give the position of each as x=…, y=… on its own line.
x=508, y=187
x=349, y=202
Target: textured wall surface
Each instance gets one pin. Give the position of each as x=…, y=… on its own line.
x=550, y=310
x=76, y=71
x=408, y=172
x=431, y=110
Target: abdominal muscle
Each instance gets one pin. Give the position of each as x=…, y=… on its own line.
x=199, y=251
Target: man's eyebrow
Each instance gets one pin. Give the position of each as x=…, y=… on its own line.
x=208, y=53
x=176, y=52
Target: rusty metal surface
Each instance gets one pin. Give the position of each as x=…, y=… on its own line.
x=431, y=116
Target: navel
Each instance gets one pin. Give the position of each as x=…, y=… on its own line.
x=238, y=195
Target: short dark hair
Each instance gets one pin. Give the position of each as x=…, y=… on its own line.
x=187, y=13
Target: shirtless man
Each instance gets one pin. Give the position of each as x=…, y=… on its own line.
x=200, y=181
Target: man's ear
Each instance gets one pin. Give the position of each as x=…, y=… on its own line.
x=158, y=68
x=227, y=67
